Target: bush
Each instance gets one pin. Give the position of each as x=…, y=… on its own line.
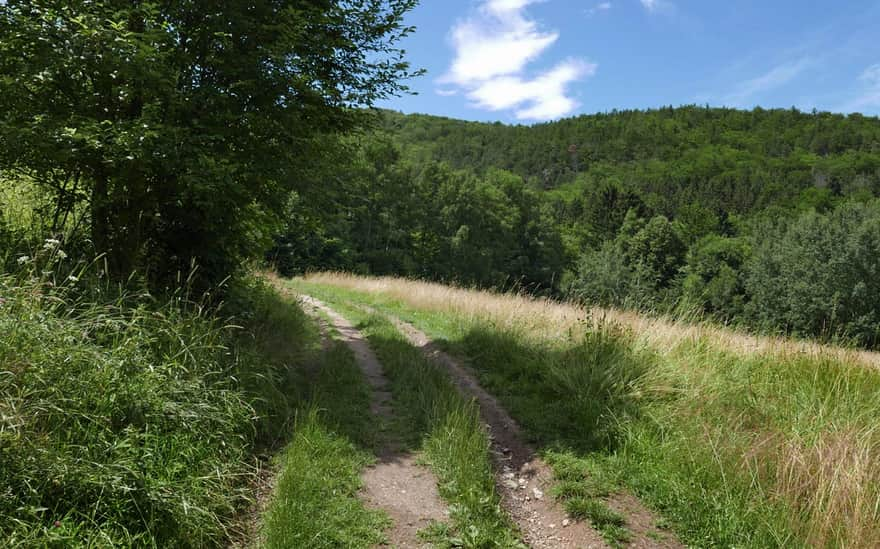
x=597, y=384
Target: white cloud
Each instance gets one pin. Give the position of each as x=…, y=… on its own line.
x=541, y=98
x=657, y=6
x=442, y=92
x=494, y=46
x=500, y=40
x=774, y=78
x=871, y=76
x=869, y=95
x=602, y=6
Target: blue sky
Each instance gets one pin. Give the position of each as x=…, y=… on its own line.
x=532, y=60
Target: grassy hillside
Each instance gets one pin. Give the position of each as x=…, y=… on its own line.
x=738, y=441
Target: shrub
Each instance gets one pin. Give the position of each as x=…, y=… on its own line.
x=603, y=277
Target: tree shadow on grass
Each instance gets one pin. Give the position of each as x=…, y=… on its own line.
x=572, y=397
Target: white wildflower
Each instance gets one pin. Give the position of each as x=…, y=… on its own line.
x=51, y=244
x=73, y=278
x=61, y=254
x=23, y=259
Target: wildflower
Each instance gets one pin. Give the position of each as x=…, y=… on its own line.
x=51, y=244
x=73, y=278
x=61, y=255
x=23, y=259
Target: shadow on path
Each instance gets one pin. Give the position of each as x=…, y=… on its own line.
x=404, y=489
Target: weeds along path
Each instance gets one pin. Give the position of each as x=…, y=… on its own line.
x=524, y=480
x=396, y=484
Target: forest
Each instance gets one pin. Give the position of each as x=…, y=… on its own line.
x=765, y=219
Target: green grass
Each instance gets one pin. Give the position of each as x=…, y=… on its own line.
x=126, y=420
x=314, y=503
x=746, y=451
x=596, y=511
x=607, y=521
x=432, y=417
x=582, y=488
x=315, y=500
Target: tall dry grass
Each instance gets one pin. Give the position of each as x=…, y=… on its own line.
x=552, y=320
x=835, y=483
x=783, y=421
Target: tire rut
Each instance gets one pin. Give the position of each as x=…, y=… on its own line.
x=524, y=479
x=396, y=484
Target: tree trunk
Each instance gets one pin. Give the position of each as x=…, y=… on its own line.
x=100, y=214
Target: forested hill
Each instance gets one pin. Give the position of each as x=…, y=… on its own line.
x=732, y=159
x=767, y=218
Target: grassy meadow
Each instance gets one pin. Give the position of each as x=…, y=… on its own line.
x=736, y=440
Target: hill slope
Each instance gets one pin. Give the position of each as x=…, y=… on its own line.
x=703, y=151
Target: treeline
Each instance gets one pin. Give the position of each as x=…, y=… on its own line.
x=778, y=148
x=392, y=216
x=766, y=218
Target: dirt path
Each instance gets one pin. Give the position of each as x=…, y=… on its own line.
x=396, y=484
x=524, y=479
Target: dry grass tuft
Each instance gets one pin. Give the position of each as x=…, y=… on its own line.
x=835, y=484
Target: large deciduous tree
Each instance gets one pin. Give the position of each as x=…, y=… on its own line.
x=184, y=124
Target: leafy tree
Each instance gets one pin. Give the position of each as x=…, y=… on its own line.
x=184, y=125
x=819, y=275
x=697, y=221
x=603, y=276
x=656, y=252
x=309, y=241
x=714, y=276
x=606, y=205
